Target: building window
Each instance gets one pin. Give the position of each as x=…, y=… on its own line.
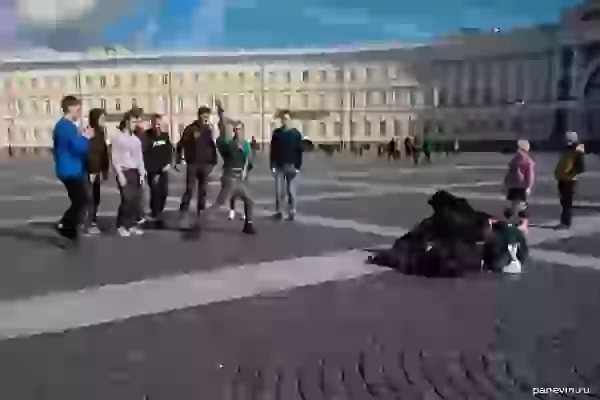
x=384, y=98
x=305, y=100
x=48, y=106
x=288, y=100
x=103, y=103
x=369, y=74
x=305, y=76
x=102, y=81
x=34, y=83
x=337, y=129
x=165, y=79
x=255, y=102
x=382, y=128
x=322, y=129
x=256, y=75
x=272, y=77
x=241, y=77
x=370, y=98
x=353, y=75
x=397, y=128
x=18, y=107
x=118, y=104
x=78, y=82
x=116, y=81
x=288, y=77
x=88, y=81
x=179, y=104
x=339, y=76
x=352, y=100
x=367, y=128
x=150, y=78
x=225, y=100
x=412, y=97
x=321, y=98
x=322, y=76
x=225, y=75
x=134, y=102
x=241, y=103
x=36, y=133
x=34, y=106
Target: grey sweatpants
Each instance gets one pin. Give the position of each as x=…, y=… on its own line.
x=233, y=187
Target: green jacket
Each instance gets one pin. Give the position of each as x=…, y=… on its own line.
x=235, y=152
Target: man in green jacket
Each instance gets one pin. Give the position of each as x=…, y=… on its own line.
x=236, y=154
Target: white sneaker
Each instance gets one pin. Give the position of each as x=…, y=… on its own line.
x=242, y=217
x=231, y=215
x=123, y=232
x=136, y=231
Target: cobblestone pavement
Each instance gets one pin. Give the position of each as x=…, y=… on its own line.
x=294, y=313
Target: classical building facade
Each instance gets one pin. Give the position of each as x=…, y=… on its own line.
x=485, y=87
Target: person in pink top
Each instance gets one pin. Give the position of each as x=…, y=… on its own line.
x=518, y=183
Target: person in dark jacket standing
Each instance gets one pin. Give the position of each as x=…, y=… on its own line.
x=570, y=165
x=198, y=148
x=70, y=151
x=286, y=162
x=98, y=164
x=158, y=155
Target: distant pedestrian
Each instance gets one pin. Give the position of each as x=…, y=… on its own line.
x=286, y=162
x=70, y=151
x=98, y=165
x=408, y=147
x=518, y=183
x=128, y=163
x=417, y=147
x=198, y=148
x=158, y=156
x=427, y=147
x=391, y=150
x=570, y=165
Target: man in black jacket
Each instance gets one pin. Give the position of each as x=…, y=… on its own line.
x=198, y=148
x=158, y=155
x=286, y=162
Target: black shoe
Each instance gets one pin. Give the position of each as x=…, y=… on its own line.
x=71, y=236
x=278, y=216
x=249, y=229
x=563, y=227
x=291, y=216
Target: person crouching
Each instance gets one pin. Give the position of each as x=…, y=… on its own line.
x=518, y=183
x=158, y=155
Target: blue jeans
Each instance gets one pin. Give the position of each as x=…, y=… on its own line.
x=285, y=185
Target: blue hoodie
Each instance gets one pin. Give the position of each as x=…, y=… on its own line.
x=70, y=150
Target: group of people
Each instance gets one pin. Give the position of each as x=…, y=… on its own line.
x=138, y=156
x=416, y=148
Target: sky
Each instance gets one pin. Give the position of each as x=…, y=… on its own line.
x=73, y=25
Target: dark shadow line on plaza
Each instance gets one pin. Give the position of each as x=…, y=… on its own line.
x=26, y=235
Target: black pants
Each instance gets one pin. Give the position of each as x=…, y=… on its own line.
x=131, y=197
x=158, y=183
x=93, y=185
x=76, y=190
x=566, y=192
x=195, y=176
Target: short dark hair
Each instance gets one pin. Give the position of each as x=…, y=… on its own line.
x=283, y=113
x=156, y=116
x=68, y=102
x=203, y=110
x=134, y=113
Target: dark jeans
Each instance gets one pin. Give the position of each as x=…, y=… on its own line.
x=233, y=187
x=195, y=176
x=76, y=190
x=158, y=183
x=131, y=197
x=93, y=184
x=566, y=191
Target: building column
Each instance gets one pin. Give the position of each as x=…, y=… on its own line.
x=576, y=69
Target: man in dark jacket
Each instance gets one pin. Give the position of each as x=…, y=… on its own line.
x=286, y=162
x=98, y=164
x=158, y=155
x=198, y=148
x=570, y=165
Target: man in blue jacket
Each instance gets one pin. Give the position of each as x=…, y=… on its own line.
x=70, y=150
x=286, y=161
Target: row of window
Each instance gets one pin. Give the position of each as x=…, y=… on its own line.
x=240, y=103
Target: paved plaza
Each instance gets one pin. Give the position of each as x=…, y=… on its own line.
x=294, y=312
